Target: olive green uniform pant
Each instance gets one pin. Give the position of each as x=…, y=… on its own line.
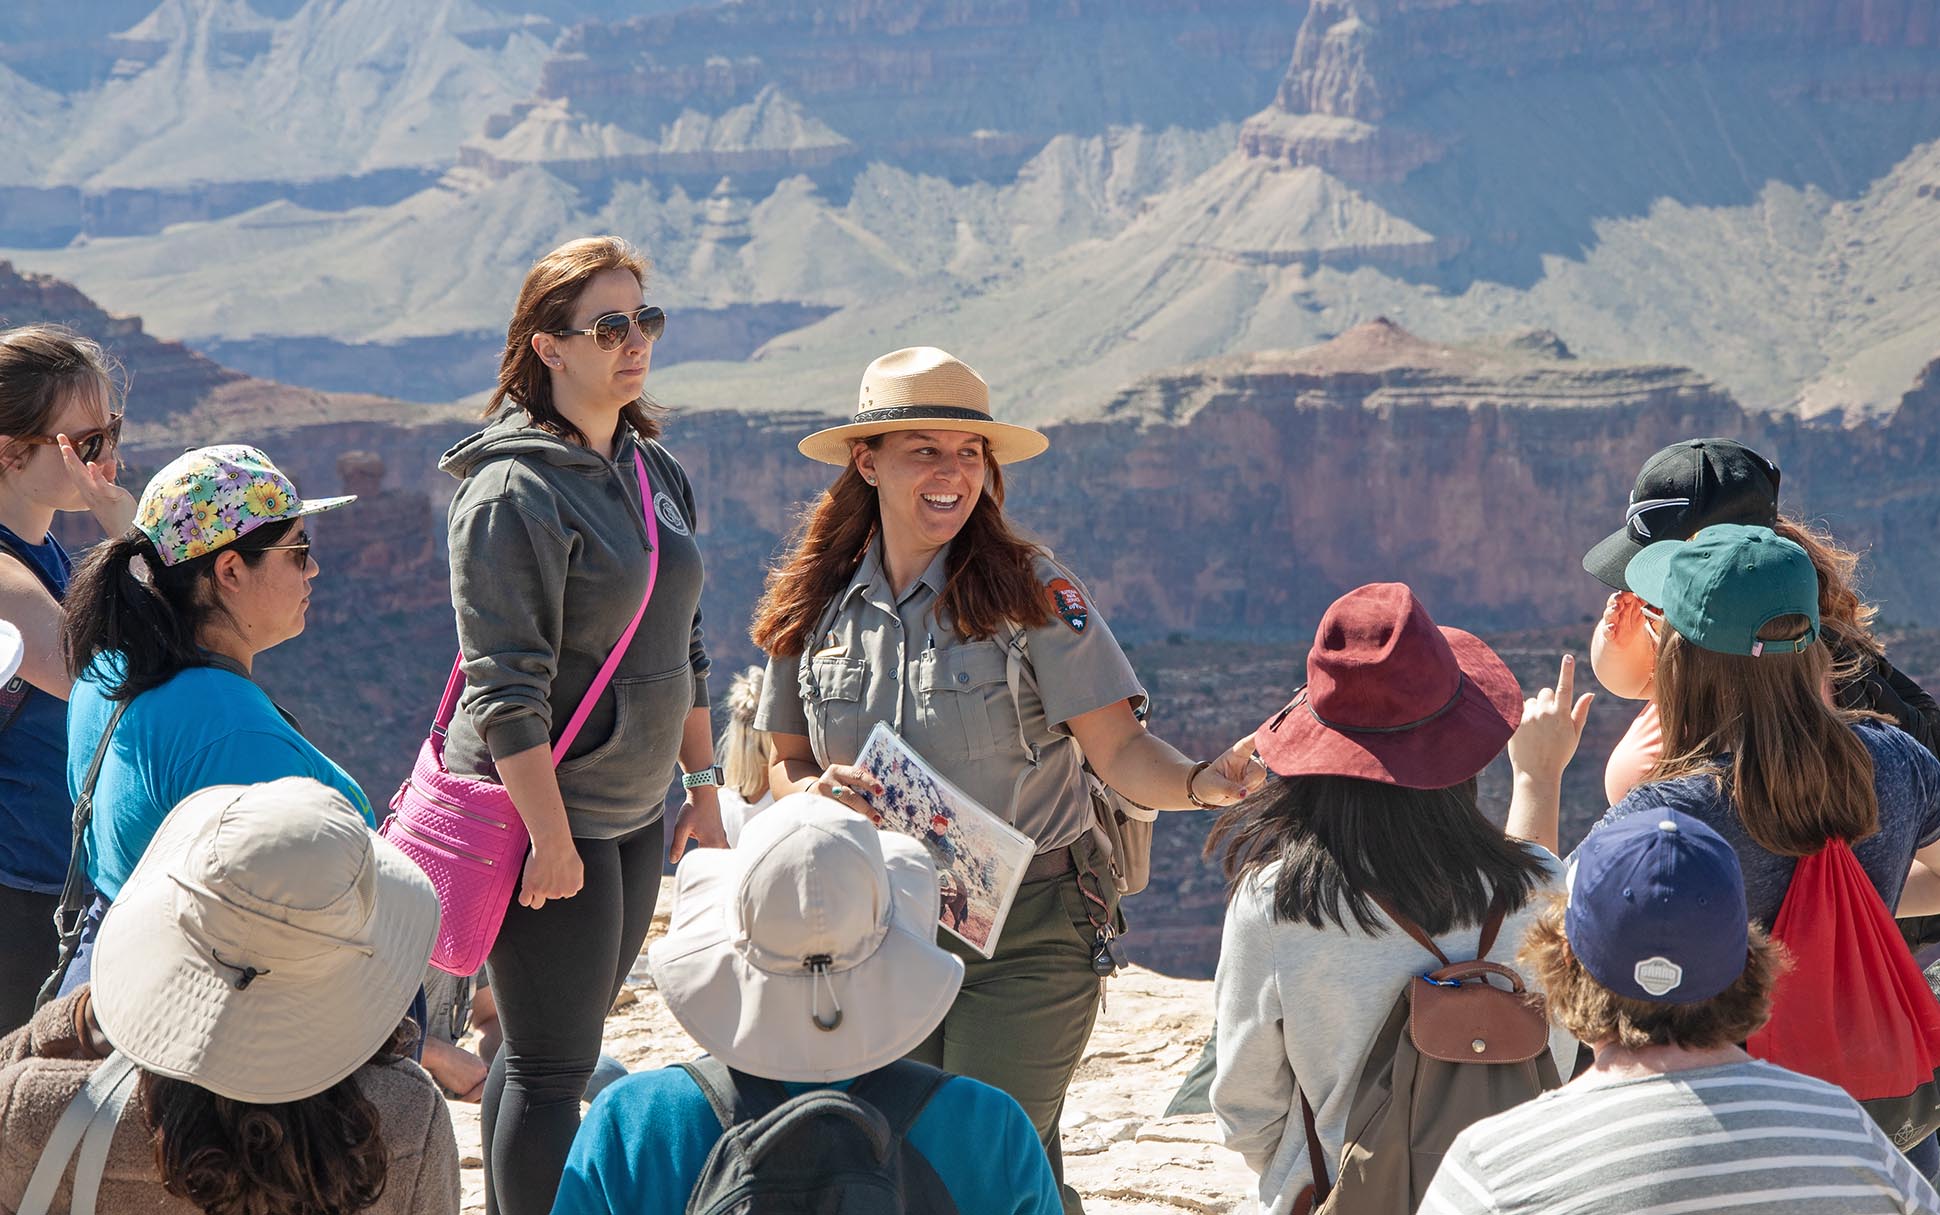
x=1022, y=1018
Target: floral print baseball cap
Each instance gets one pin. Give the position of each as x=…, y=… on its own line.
x=212, y=496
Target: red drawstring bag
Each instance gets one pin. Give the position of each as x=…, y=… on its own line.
x=1854, y=1009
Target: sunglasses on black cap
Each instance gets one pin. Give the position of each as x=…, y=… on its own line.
x=609, y=331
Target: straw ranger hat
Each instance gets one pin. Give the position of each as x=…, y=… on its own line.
x=267, y=944
x=808, y=951
x=919, y=386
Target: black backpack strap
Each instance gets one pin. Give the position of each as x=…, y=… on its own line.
x=900, y=1092
x=71, y=915
x=735, y=1097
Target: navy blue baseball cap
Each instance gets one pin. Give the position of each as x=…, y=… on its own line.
x=1657, y=908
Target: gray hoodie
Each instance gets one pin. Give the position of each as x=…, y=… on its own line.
x=549, y=559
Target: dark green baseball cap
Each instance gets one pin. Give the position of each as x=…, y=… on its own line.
x=1721, y=586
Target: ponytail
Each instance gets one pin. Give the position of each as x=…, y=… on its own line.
x=123, y=601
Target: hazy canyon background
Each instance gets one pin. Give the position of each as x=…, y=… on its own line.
x=1307, y=294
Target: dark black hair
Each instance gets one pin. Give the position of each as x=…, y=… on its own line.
x=152, y=625
x=1428, y=851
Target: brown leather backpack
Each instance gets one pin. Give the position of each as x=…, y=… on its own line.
x=1455, y=1050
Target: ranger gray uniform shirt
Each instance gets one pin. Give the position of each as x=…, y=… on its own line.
x=877, y=657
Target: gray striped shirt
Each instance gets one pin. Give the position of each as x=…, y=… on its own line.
x=1745, y=1136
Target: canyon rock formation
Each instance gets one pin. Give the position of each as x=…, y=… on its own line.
x=1072, y=195
x=1213, y=510
x=766, y=89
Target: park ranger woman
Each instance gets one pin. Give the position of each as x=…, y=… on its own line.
x=895, y=603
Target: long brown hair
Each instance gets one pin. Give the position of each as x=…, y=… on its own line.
x=1341, y=839
x=990, y=575
x=1799, y=776
x=322, y=1155
x=546, y=301
x=1845, y=620
x=41, y=366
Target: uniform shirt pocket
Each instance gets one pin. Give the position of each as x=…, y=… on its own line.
x=964, y=699
x=834, y=695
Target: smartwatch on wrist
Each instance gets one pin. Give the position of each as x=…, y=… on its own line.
x=706, y=776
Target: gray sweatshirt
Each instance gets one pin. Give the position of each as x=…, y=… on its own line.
x=549, y=559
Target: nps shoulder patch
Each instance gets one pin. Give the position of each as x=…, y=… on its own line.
x=1069, y=603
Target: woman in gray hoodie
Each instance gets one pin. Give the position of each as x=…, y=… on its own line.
x=549, y=560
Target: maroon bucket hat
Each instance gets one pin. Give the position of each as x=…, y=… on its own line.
x=1392, y=697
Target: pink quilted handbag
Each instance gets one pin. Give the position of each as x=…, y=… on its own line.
x=464, y=832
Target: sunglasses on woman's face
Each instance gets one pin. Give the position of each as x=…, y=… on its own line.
x=89, y=444
x=609, y=331
x=300, y=546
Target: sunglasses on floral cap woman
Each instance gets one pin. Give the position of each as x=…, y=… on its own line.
x=609, y=331
x=90, y=445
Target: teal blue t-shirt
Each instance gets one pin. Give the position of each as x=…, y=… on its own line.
x=646, y=1137
x=206, y=726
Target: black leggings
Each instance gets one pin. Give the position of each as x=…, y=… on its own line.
x=555, y=973
x=28, y=950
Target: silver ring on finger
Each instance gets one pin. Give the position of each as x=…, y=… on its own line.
x=839, y=792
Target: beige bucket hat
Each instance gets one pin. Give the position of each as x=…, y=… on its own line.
x=807, y=952
x=916, y=386
x=267, y=944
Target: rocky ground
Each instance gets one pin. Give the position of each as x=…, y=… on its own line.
x=1120, y=1153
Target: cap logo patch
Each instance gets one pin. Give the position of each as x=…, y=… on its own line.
x=1069, y=603
x=1634, y=516
x=1658, y=975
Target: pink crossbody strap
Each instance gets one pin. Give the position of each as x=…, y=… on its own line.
x=449, y=704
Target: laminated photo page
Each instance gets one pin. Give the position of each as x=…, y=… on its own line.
x=980, y=858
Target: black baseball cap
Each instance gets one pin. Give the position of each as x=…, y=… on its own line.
x=1682, y=489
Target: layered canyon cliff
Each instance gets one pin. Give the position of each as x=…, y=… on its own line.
x=1213, y=510
x=971, y=89
x=1072, y=192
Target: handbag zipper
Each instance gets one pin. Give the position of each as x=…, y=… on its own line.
x=433, y=842
x=455, y=808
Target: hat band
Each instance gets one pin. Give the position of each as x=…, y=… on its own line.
x=1461, y=685
x=904, y=413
